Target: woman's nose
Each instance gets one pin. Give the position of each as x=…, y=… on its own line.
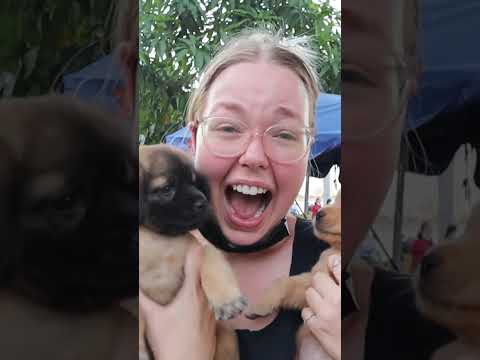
x=254, y=155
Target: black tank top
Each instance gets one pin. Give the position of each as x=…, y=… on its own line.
x=277, y=340
x=396, y=330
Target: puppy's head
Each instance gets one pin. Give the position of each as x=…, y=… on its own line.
x=448, y=289
x=173, y=196
x=69, y=202
x=327, y=224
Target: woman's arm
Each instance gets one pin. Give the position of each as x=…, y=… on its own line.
x=185, y=328
x=323, y=314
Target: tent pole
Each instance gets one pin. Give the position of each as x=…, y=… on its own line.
x=307, y=184
x=398, y=221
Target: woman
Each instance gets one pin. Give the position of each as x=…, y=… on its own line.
x=252, y=117
x=380, y=320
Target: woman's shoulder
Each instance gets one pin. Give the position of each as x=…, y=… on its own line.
x=306, y=247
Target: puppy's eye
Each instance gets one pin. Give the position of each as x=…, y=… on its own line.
x=65, y=203
x=166, y=189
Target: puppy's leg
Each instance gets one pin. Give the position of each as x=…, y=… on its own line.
x=287, y=292
x=227, y=344
x=220, y=285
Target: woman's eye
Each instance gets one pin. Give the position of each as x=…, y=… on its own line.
x=284, y=135
x=355, y=77
x=227, y=129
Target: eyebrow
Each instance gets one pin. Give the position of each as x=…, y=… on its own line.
x=229, y=106
x=287, y=112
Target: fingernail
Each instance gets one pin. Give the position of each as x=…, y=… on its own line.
x=335, y=261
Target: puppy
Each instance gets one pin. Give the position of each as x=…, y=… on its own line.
x=68, y=221
x=448, y=290
x=173, y=203
x=289, y=292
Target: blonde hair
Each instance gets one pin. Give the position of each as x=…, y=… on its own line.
x=249, y=46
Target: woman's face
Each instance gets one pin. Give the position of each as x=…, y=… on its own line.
x=370, y=106
x=259, y=94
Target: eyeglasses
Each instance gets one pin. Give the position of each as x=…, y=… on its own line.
x=225, y=137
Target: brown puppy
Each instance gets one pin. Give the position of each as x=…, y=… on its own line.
x=173, y=203
x=448, y=290
x=289, y=292
x=68, y=230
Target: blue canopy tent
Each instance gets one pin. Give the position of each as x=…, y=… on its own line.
x=98, y=82
x=445, y=113
x=446, y=110
x=327, y=134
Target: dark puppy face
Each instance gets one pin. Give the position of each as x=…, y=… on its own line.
x=71, y=209
x=173, y=196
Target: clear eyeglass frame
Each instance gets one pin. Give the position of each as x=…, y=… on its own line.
x=278, y=157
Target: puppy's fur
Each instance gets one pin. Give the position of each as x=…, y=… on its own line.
x=448, y=290
x=174, y=202
x=68, y=217
x=289, y=292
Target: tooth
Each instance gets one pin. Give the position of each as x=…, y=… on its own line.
x=253, y=190
x=259, y=211
x=246, y=189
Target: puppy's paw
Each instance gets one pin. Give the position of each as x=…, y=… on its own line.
x=230, y=309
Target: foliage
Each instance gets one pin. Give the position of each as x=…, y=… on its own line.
x=177, y=39
x=44, y=39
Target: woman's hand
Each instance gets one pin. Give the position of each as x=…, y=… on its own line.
x=185, y=328
x=323, y=314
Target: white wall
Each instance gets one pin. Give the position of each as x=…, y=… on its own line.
x=423, y=199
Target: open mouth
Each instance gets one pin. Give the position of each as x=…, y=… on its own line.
x=247, y=204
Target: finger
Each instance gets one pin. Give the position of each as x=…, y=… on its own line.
x=326, y=287
x=335, y=265
x=314, y=300
x=307, y=314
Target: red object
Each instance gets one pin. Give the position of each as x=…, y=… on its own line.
x=315, y=209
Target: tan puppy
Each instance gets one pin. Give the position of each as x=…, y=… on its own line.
x=173, y=203
x=289, y=292
x=448, y=290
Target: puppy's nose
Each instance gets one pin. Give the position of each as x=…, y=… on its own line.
x=429, y=263
x=320, y=214
x=199, y=205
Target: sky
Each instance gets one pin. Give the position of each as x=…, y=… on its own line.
x=337, y=4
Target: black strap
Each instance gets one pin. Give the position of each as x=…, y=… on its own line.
x=212, y=232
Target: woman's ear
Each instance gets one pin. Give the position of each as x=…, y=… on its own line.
x=193, y=138
x=128, y=57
